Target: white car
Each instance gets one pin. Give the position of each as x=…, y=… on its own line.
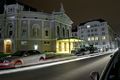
x=21, y=58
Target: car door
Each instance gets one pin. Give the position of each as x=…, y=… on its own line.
x=31, y=57
x=35, y=56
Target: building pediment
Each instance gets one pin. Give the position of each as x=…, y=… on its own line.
x=62, y=17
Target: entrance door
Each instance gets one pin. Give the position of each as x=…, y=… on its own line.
x=7, y=46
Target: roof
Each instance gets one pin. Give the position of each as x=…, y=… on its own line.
x=100, y=20
x=8, y=2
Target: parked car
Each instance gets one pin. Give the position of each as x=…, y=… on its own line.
x=82, y=51
x=112, y=70
x=21, y=58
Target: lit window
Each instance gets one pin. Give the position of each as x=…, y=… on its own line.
x=103, y=37
x=96, y=38
x=89, y=39
x=35, y=47
x=92, y=38
x=88, y=26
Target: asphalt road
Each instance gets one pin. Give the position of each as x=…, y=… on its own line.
x=77, y=70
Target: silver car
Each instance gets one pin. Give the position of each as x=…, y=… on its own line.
x=22, y=58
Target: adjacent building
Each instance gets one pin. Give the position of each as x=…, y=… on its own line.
x=98, y=33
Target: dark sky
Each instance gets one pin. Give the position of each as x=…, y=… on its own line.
x=83, y=10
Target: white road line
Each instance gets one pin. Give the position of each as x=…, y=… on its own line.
x=44, y=65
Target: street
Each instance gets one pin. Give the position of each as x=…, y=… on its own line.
x=77, y=70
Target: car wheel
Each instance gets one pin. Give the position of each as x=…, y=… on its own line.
x=18, y=64
x=41, y=59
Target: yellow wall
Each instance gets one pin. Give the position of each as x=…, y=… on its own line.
x=65, y=45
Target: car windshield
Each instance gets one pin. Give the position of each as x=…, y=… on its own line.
x=18, y=53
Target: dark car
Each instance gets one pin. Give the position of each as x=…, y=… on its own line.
x=82, y=51
x=21, y=58
x=112, y=70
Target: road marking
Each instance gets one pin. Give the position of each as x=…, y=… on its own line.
x=46, y=65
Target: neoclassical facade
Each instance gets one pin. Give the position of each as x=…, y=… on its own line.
x=23, y=30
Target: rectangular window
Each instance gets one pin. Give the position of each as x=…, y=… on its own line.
x=10, y=33
x=103, y=33
x=0, y=35
x=96, y=43
x=24, y=33
x=89, y=39
x=46, y=33
x=103, y=37
x=103, y=29
x=96, y=38
x=88, y=30
x=104, y=43
x=91, y=30
x=92, y=38
x=95, y=30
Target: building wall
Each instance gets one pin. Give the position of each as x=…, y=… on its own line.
x=96, y=33
x=28, y=30
x=67, y=45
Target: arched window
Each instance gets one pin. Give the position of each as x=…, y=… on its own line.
x=10, y=30
x=35, y=30
x=68, y=33
x=10, y=25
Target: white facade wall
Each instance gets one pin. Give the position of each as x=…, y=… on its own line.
x=95, y=33
x=33, y=28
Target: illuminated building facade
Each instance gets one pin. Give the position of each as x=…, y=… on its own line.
x=67, y=45
x=97, y=33
x=23, y=30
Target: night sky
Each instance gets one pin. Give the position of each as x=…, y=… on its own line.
x=83, y=10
